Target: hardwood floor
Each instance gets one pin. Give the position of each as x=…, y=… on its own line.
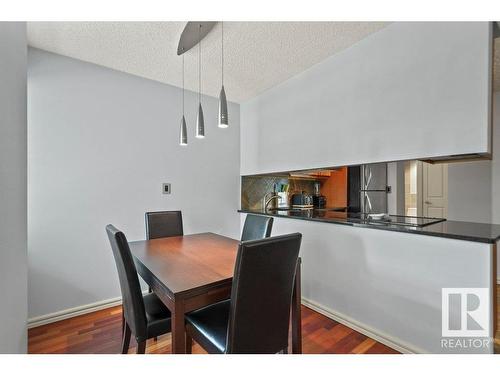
x=99, y=332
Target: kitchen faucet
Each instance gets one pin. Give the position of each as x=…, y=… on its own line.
x=265, y=202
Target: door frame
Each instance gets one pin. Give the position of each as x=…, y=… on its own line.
x=420, y=188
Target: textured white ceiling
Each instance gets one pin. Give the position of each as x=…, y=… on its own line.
x=258, y=55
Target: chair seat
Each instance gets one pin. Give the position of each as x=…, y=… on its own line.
x=208, y=326
x=158, y=316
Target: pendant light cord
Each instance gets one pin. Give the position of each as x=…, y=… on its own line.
x=199, y=64
x=183, y=83
x=222, y=50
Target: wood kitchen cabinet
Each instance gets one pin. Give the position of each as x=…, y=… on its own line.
x=334, y=188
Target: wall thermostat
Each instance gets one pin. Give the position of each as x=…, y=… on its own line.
x=166, y=188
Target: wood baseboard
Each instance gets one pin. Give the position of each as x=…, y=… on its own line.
x=75, y=311
x=361, y=328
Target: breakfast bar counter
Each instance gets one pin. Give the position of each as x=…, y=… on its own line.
x=389, y=281
x=460, y=230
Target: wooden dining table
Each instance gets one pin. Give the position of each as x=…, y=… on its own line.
x=193, y=271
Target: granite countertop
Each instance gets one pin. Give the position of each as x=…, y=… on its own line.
x=461, y=230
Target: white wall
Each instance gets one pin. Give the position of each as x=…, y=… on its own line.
x=100, y=145
x=495, y=171
x=469, y=191
x=474, y=187
x=398, y=94
x=13, y=174
x=495, y=163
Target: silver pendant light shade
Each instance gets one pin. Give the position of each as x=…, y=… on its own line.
x=192, y=35
x=223, y=119
x=200, y=123
x=183, y=138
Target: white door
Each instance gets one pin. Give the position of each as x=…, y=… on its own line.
x=435, y=190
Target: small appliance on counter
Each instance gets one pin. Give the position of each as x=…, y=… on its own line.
x=302, y=201
x=319, y=201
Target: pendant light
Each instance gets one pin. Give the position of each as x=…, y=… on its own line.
x=183, y=140
x=200, y=121
x=223, y=118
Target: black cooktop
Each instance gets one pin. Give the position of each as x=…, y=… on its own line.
x=411, y=221
x=361, y=218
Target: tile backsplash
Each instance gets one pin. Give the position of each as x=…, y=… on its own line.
x=253, y=189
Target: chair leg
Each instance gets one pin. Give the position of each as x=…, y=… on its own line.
x=141, y=347
x=189, y=344
x=123, y=323
x=150, y=291
x=126, y=338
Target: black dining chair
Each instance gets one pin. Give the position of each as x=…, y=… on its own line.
x=256, y=318
x=257, y=227
x=163, y=224
x=145, y=316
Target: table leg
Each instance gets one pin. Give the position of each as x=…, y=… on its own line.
x=296, y=313
x=178, y=329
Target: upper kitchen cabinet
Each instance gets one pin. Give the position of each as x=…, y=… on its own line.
x=416, y=90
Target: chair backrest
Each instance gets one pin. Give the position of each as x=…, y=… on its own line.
x=133, y=303
x=261, y=295
x=163, y=224
x=257, y=227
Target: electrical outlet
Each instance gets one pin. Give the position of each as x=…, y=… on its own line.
x=166, y=188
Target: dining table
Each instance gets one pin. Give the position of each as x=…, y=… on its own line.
x=193, y=271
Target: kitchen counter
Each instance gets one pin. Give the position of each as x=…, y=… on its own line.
x=461, y=230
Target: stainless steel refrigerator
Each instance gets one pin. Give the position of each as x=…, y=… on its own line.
x=373, y=192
